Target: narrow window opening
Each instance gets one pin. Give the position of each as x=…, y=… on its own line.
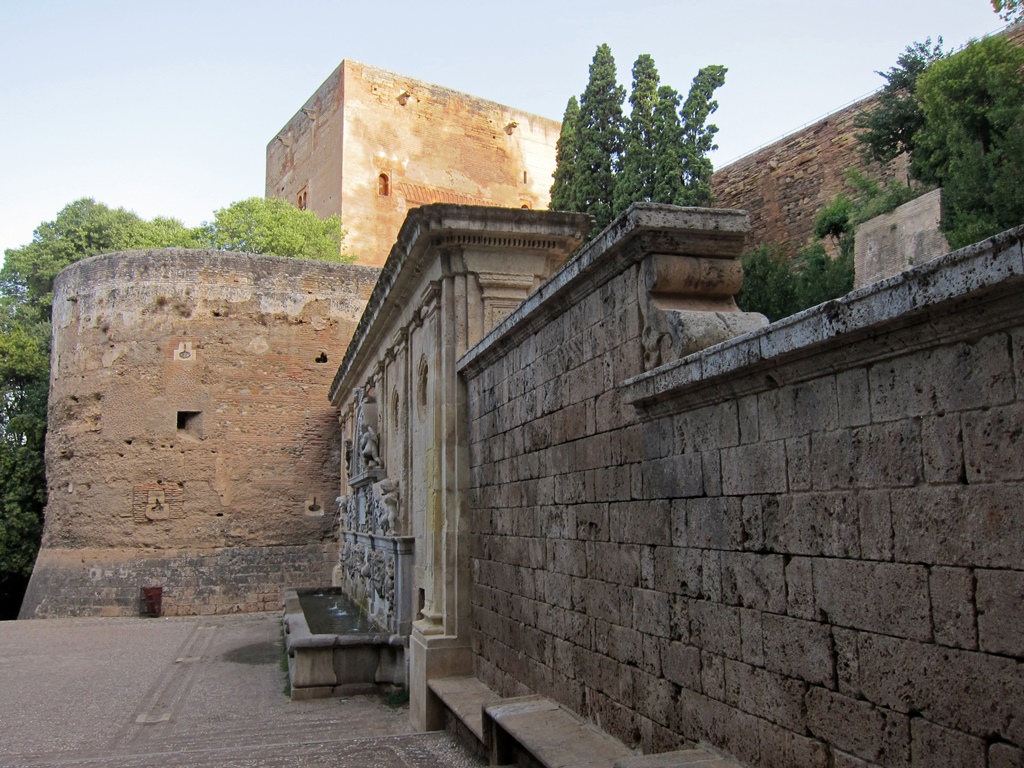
x=524, y=177
x=190, y=423
x=383, y=185
x=302, y=199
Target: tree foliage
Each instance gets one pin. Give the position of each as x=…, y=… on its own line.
x=668, y=147
x=276, y=227
x=599, y=136
x=566, y=150
x=699, y=136
x=1009, y=10
x=972, y=141
x=658, y=154
x=889, y=129
x=636, y=178
x=777, y=286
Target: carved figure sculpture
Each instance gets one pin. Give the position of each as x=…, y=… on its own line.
x=389, y=494
x=369, y=448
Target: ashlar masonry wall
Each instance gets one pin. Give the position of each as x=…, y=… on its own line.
x=804, y=546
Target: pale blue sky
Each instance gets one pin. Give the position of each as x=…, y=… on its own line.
x=166, y=108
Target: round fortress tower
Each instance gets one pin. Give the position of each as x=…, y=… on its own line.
x=191, y=444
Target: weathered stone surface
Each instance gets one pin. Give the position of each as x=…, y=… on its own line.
x=934, y=745
x=816, y=594
x=1000, y=601
x=370, y=145
x=870, y=732
x=878, y=597
x=798, y=648
x=187, y=414
x=953, y=612
x=888, y=244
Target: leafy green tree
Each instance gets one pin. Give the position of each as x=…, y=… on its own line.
x=699, y=135
x=276, y=227
x=890, y=127
x=563, y=188
x=819, y=277
x=668, y=151
x=1009, y=10
x=972, y=142
x=768, y=284
x=636, y=179
x=83, y=228
x=599, y=139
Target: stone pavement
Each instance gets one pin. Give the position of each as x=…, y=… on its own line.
x=194, y=691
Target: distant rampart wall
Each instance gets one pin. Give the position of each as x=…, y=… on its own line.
x=804, y=546
x=784, y=184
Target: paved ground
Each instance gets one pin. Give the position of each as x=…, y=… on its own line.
x=134, y=693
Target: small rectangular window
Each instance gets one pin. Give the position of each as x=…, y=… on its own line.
x=190, y=423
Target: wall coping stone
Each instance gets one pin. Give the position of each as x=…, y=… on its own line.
x=443, y=224
x=644, y=228
x=751, y=363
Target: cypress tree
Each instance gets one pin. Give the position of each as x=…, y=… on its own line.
x=699, y=136
x=599, y=139
x=636, y=179
x=668, y=156
x=562, y=190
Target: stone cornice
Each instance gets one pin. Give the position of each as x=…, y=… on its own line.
x=645, y=228
x=438, y=226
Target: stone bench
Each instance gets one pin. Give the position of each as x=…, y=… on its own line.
x=552, y=735
x=465, y=698
x=547, y=734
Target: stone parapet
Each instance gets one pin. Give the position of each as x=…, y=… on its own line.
x=800, y=545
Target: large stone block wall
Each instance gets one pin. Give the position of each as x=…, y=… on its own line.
x=805, y=546
x=370, y=145
x=188, y=412
x=195, y=581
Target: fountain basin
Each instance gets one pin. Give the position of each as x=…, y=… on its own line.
x=348, y=658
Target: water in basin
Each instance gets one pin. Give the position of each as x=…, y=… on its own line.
x=332, y=613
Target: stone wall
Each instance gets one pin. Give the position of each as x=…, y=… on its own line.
x=194, y=581
x=370, y=145
x=784, y=184
x=188, y=415
x=803, y=546
x=888, y=244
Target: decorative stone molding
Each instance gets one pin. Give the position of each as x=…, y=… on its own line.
x=687, y=304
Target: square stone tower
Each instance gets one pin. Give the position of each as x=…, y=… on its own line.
x=370, y=145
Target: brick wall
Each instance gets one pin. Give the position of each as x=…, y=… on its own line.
x=804, y=546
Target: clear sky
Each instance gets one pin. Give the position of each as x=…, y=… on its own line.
x=167, y=108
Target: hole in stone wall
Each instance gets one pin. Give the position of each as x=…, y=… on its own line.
x=322, y=357
x=190, y=423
